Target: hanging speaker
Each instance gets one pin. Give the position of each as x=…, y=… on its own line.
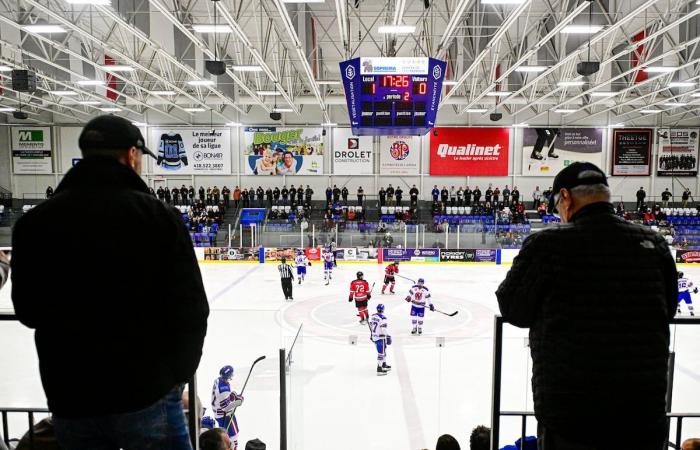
x=587, y=68
x=215, y=67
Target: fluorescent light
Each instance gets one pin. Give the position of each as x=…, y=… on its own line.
x=674, y=105
x=111, y=109
x=571, y=83
x=90, y=82
x=283, y=110
x=212, y=28
x=581, y=29
x=117, y=68
x=617, y=125
x=44, y=29
x=268, y=93
x=649, y=111
x=163, y=93
x=63, y=93
x=449, y=82
x=5, y=69
x=234, y=124
x=498, y=93
x=565, y=111
x=531, y=69
x=660, y=69
x=7, y=109
x=680, y=84
x=303, y=1
x=501, y=2
x=244, y=68
x=89, y=2
x=396, y=29
x=520, y=125
x=603, y=94
x=89, y=102
x=697, y=94
x=329, y=124
x=327, y=81
x=476, y=110
x=200, y=82
x=139, y=124
x=194, y=109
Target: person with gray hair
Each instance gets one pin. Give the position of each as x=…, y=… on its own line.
x=597, y=293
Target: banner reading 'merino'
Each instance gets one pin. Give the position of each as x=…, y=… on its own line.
x=283, y=151
x=192, y=151
x=469, y=151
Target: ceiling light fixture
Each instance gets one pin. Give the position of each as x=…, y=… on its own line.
x=110, y=109
x=675, y=105
x=164, y=93
x=603, y=94
x=681, y=84
x=565, y=110
x=247, y=68
x=660, y=69
x=7, y=109
x=234, y=124
x=281, y=110
x=63, y=93
x=581, y=29
x=476, y=110
x=90, y=82
x=5, y=69
x=194, y=109
x=327, y=81
x=570, y=83
x=498, y=93
x=117, y=68
x=89, y=102
x=649, y=111
x=212, y=28
x=535, y=69
x=90, y=2
x=396, y=29
x=140, y=124
x=44, y=29
x=520, y=125
x=268, y=93
x=200, y=82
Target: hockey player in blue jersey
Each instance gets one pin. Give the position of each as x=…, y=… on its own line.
x=224, y=401
x=378, y=325
x=684, y=286
x=328, y=266
x=419, y=297
x=301, y=261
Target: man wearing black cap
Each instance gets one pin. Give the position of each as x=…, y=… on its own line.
x=121, y=314
x=597, y=293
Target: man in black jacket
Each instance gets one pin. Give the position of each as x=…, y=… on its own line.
x=597, y=293
x=115, y=340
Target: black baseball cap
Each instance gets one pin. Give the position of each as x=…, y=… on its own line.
x=112, y=133
x=576, y=174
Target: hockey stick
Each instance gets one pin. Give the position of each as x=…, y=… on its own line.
x=405, y=278
x=443, y=312
x=233, y=413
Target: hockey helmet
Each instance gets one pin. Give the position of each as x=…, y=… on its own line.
x=208, y=423
x=680, y=274
x=360, y=275
x=380, y=308
x=226, y=372
x=421, y=281
x=396, y=263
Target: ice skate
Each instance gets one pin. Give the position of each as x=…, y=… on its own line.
x=420, y=331
x=381, y=371
x=386, y=367
x=414, y=331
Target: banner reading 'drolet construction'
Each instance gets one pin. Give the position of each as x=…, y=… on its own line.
x=548, y=150
x=678, y=152
x=31, y=150
x=283, y=151
x=399, y=155
x=469, y=151
x=352, y=155
x=200, y=151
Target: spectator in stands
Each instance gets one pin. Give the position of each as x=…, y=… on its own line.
x=168, y=196
x=477, y=195
x=329, y=194
x=135, y=351
x=460, y=196
x=216, y=195
x=390, y=195
x=588, y=368
x=152, y=192
x=285, y=195
x=344, y=195
x=382, y=197
x=49, y=192
x=292, y=195
x=641, y=195
x=399, y=195
x=413, y=193
x=444, y=195
x=183, y=194
x=190, y=194
x=515, y=194
x=542, y=209
x=276, y=195
x=496, y=195
x=260, y=194
x=214, y=439
x=308, y=194
x=388, y=239
x=175, y=192
x=435, y=193
x=201, y=193
x=4, y=268
x=685, y=197
x=691, y=444
x=300, y=195
x=488, y=194
x=336, y=194
x=536, y=197
x=245, y=198
x=665, y=197
x=447, y=442
x=546, y=194
x=360, y=196
x=468, y=196
x=649, y=217
x=480, y=439
x=251, y=196
x=160, y=193
x=210, y=196
x=268, y=196
x=226, y=194
x=453, y=196
x=506, y=195
x=236, y=197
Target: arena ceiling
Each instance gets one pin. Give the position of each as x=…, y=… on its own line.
x=518, y=57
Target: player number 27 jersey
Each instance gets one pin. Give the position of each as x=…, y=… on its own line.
x=419, y=296
x=378, y=324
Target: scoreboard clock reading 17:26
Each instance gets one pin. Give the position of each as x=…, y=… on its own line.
x=392, y=96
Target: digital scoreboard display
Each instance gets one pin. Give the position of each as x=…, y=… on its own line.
x=392, y=96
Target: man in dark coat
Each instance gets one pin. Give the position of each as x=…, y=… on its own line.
x=597, y=293
x=117, y=339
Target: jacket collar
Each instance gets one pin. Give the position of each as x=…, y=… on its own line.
x=593, y=209
x=102, y=173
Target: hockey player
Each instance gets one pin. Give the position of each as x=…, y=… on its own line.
x=359, y=290
x=301, y=261
x=328, y=266
x=223, y=401
x=380, y=336
x=419, y=296
x=684, y=286
x=389, y=276
x=171, y=152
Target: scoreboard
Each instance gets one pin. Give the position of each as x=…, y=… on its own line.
x=392, y=96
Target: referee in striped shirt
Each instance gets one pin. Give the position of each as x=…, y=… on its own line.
x=287, y=279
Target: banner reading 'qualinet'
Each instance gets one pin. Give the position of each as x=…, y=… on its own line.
x=469, y=151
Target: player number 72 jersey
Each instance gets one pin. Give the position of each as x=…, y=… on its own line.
x=359, y=289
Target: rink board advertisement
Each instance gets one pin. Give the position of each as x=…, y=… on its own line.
x=632, y=152
x=277, y=253
x=356, y=254
x=687, y=256
x=468, y=255
x=411, y=254
x=469, y=151
x=31, y=150
x=200, y=151
x=232, y=254
x=678, y=152
x=548, y=150
x=313, y=253
x=399, y=155
x=283, y=151
x=352, y=155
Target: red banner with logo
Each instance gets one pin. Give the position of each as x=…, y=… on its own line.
x=313, y=253
x=469, y=151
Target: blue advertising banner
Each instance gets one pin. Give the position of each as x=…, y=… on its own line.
x=411, y=254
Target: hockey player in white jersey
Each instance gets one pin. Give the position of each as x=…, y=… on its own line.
x=301, y=261
x=378, y=325
x=684, y=286
x=224, y=401
x=419, y=297
x=328, y=266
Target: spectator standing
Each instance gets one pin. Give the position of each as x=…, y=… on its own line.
x=300, y=195
x=329, y=194
x=260, y=194
x=49, y=192
x=641, y=195
x=210, y=196
x=251, y=196
x=245, y=199
x=685, y=197
x=190, y=194
x=477, y=195
x=152, y=192
x=546, y=194
x=344, y=193
x=285, y=195
x=488, y=194
x=597, y=342
x=515, y=194
x=161, y=193
x=287, y=278
x=183, y=194
x=216, y=195
x=496, y=195
x=236, y=197
x=276, y=195
x=308, y=194
x=175, y=192
x=460, y=196
x=467, y=196
x=292, y=195
x=665, y=197
x=399, y=195
x=336, y=194
x=444, y=195
x=151, y=341
x=453, y=196
x=360, y=196
x=414, y=196
x=226, y=193
x=536, y=197
x=268, y=196
x=168, y=197
x=506, y=195
x=382, y=197
x=435, y=193
x=390, y=195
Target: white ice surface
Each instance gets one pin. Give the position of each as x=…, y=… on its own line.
x=335, y=399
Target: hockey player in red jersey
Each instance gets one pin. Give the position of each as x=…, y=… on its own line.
x=389, y=277
x=359, y=290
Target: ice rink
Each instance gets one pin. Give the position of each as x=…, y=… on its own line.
x=440, y=382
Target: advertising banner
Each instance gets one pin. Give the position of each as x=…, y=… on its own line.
x=687, y=256
x=678, y=152
x=283, y=151
x=548, y=150
x=313, y=253
x=231, y=254
x=469, y=255
x=411, y=254
x=352, y=155
x=200, y=151
x=31, y=150
x=632, y=151
x=469, y=151
x=399, y=155
x=275, y=254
